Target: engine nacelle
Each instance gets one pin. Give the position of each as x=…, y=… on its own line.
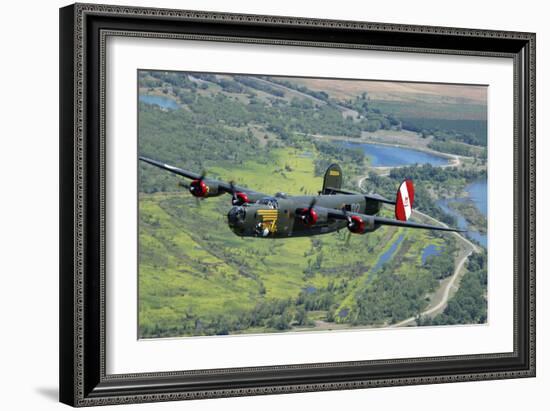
x=308, y=216
x=240, y=199
x=311, y=216
x=358, y=225
x=204, y=188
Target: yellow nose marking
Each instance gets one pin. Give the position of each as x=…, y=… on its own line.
x=269, y=219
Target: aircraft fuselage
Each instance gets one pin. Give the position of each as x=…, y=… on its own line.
x=276, y=217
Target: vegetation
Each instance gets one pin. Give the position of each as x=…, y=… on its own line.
x=442, y=264
x=476, y=220
x=461, y=121
x=469, y=304
x=460, y=149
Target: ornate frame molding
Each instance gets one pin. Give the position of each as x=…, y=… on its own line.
x=82, y=297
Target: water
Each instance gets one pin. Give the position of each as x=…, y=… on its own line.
x=343, y=313
x=387, y=255
x=430, y=250
x=391, y=156
x=164, y=102
x=477, y=192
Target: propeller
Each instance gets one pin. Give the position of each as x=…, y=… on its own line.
x=355, y=223
x=187, y=186
x=233, y=193
x=348, y=238
x=350, y=222
x=197, y=187
x=309, y=215
x=237, y=198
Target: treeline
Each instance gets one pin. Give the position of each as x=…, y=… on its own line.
x=427, y=172
x=469, y=304
x=453, y=147
x=391, y=297
x=321, y=95
x=336, y=153
x=270, y=314
x=154, y=79
x=260, y=85
x=227, y=85
x=472, y=132
x=375, y=118
x=275, y=315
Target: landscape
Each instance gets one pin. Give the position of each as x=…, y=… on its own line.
x=279, y=134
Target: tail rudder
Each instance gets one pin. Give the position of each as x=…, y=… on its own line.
x=332, y=179
x=404, y=200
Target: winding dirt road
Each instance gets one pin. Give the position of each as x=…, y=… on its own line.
x=470, y=248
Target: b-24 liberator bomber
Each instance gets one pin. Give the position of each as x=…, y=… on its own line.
x=256, y=214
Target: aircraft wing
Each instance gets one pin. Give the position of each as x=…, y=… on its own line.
x=222, y=185
x=172, y=169
x=374, y=197
x=373, y=221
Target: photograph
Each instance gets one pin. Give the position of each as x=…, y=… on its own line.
x=276, y=204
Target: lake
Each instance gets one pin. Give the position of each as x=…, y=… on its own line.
x=164, y=102
x=390, y=156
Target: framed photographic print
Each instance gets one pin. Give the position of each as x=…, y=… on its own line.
x=261, y=204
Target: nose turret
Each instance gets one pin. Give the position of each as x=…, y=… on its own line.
x=235, y=218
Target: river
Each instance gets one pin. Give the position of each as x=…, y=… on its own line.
x=392, y=156
x=477, y=193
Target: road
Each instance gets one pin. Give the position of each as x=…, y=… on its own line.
x=470, y=248
x=346, y=112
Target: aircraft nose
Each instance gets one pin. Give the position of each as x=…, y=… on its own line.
x=236, y=215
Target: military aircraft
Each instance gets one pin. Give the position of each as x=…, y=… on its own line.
x=259, y=215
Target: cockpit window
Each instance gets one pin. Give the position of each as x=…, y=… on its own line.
x=269, y=201
x=236, y=214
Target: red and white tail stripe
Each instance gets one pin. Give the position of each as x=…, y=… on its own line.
x=404, y=201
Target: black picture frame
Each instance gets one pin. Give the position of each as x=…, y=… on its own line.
x=83, y=380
